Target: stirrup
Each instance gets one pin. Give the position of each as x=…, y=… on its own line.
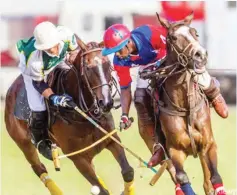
x=156, y=147
x=43, y=140
x=44, y=148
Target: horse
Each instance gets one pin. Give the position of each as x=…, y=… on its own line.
x=88, y=82
x=184, y=112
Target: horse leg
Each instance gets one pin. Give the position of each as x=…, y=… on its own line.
x=216, y=179
x=178, y=157
x=86, y=168
x=127, y=171
x=17, y=131
x=207, y=185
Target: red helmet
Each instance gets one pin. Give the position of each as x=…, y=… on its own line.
x=115, y=38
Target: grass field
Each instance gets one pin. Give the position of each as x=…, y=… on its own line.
x=19, y=179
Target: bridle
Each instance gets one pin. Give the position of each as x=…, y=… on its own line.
x=183, y=58
x=83, y=72
x=94, y=108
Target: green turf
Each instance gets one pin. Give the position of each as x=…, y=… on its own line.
x=19, y=179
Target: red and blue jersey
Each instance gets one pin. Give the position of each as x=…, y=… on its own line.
x=150, y=42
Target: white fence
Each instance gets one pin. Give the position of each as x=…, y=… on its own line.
x=7, y=76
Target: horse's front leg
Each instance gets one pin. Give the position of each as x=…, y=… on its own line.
x=216, y=179
x=178, y=157
x=207, y=185
x=127, y=170
x=86, y=168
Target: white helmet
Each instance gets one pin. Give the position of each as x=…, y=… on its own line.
x=46, y=36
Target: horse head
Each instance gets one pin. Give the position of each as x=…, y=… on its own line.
x=183, y=44
x=95, y=71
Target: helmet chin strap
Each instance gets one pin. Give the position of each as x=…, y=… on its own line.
x=129, y=52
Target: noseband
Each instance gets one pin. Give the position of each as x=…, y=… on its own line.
x=183, y=59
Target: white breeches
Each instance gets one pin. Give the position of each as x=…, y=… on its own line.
x=35, y=99
x=141, y=83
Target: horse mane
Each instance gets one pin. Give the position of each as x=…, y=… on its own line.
x=92, y=45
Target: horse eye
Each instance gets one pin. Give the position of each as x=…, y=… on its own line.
x=173, y=37
x=197, y=35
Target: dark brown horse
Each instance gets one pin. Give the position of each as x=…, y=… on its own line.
x=88, y=82
x=184, y=111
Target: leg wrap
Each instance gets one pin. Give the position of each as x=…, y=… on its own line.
x=187, y=189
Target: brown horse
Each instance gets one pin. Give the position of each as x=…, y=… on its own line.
x=184, y=111
x=88, y=82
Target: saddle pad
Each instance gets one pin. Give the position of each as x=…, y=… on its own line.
x=22, y=109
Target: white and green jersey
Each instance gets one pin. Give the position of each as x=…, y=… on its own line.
x=38, y=64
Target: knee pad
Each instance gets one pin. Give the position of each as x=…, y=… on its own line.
x=38, y=120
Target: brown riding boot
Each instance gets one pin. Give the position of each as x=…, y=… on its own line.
x=157, y=157
x=214, y=96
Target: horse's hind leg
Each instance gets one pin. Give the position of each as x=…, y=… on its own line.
x=178, y=157
x=18, y=131
x=127, y=170
x=207, y=185
x=86, y=168
x=216, y=179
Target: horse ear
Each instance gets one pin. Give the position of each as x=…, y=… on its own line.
x=188, y=19
x=81, y=44
x=165, y=23
x=101, y=44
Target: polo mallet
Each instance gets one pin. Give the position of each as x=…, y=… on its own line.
x=56, y=156
x=157, y=176
x=77, y=109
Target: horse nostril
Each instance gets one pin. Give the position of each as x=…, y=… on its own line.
x=101, y=103
x=198, y=54
x=107, y=107
x=112, y=103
